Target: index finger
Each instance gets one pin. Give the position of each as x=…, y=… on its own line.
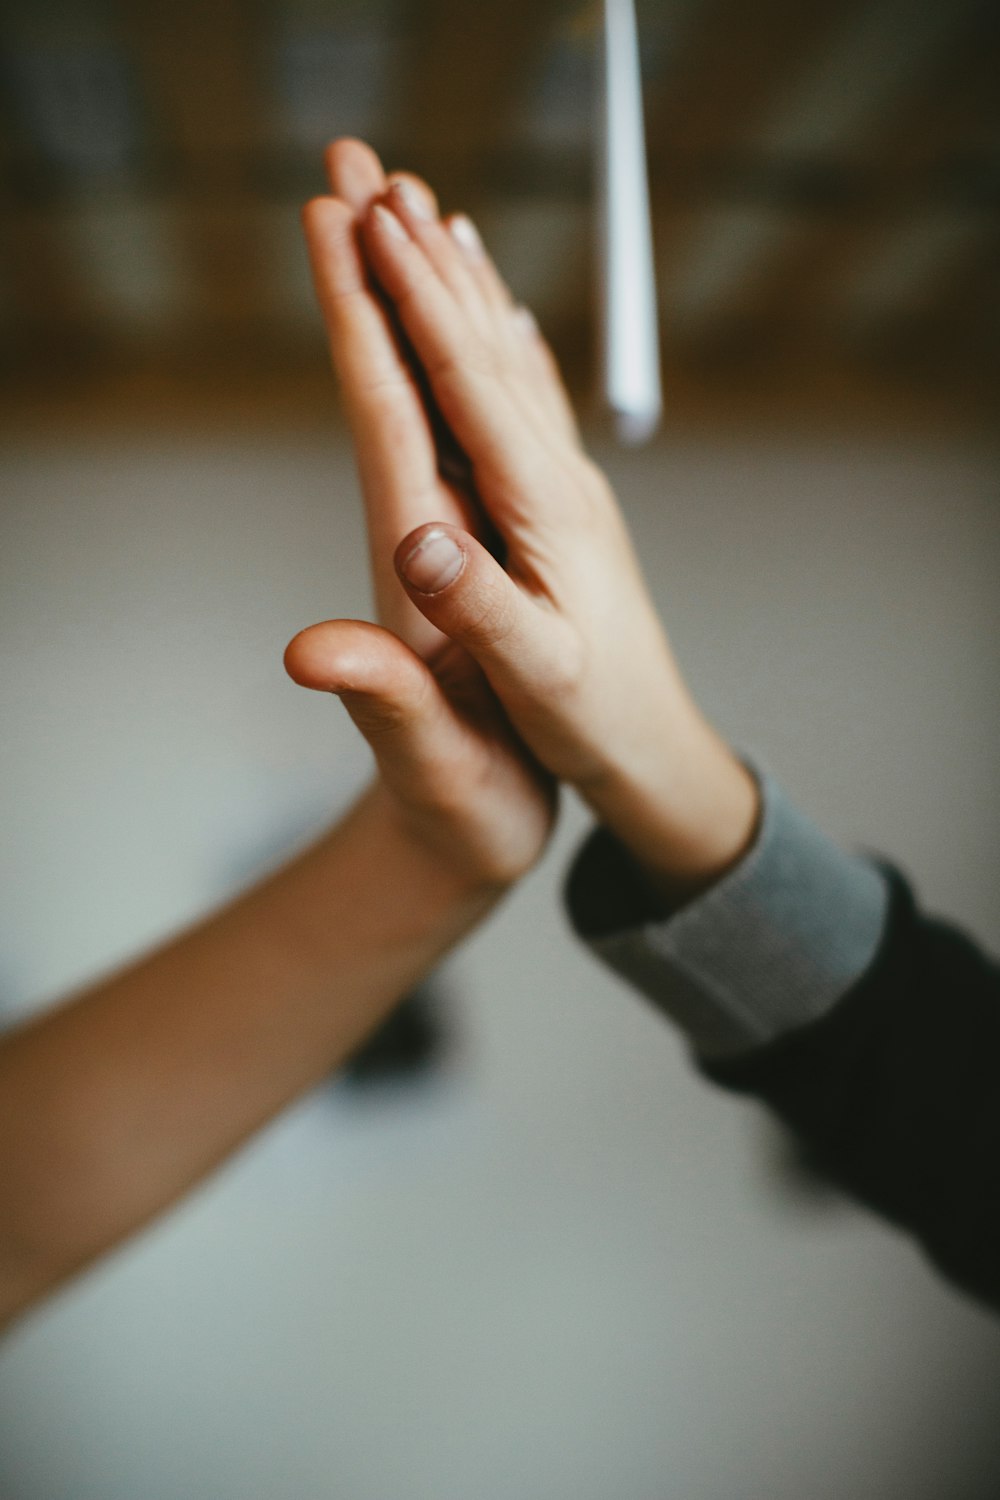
x=393, y=433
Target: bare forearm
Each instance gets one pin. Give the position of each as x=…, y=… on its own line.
x=116, y=1103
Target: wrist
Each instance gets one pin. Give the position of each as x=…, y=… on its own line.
x=689, y=816
x=367, y=904
x=428, y=857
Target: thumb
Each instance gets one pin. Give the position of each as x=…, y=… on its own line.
x=461, y=588
x=394, y=699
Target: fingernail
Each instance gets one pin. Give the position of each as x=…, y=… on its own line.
x=413, y=200
x=435, y=562
x=389, y=222
x=466, y=234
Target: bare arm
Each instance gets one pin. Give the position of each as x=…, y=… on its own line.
x=117, y=1102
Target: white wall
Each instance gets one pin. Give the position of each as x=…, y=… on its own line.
x=569, y=1268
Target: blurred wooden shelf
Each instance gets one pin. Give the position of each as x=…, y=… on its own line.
x=825, y=183
x=287, y=390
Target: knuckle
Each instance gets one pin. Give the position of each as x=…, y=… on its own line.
x=489, y=618
x=561, y=679
x=414, y=286
x=388, y=717
x=462, y=358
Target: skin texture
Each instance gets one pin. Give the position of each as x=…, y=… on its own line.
x=425, y=338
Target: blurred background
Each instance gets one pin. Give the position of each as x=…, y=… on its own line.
x=826, y=183
x=555, y=1263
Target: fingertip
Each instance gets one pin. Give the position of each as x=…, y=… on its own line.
x=466, y=236
x=310, y=211
x=354, y=171
x=386, y=224
x=334, y=656
x=354, y=657
x=351, y=145
x=322, y=216
x=407, y=197
x=526, y=322
x=303, y=659
x=415, y=191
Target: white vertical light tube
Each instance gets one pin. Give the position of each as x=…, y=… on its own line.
x=629, y=329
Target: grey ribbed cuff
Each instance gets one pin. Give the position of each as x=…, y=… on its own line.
x=773, y=945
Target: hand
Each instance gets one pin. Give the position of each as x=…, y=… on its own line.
x=565, y=633
x=454, y=775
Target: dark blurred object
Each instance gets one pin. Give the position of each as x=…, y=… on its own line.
x=794, y=1177
x=409, y=1044
x=826, y=185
